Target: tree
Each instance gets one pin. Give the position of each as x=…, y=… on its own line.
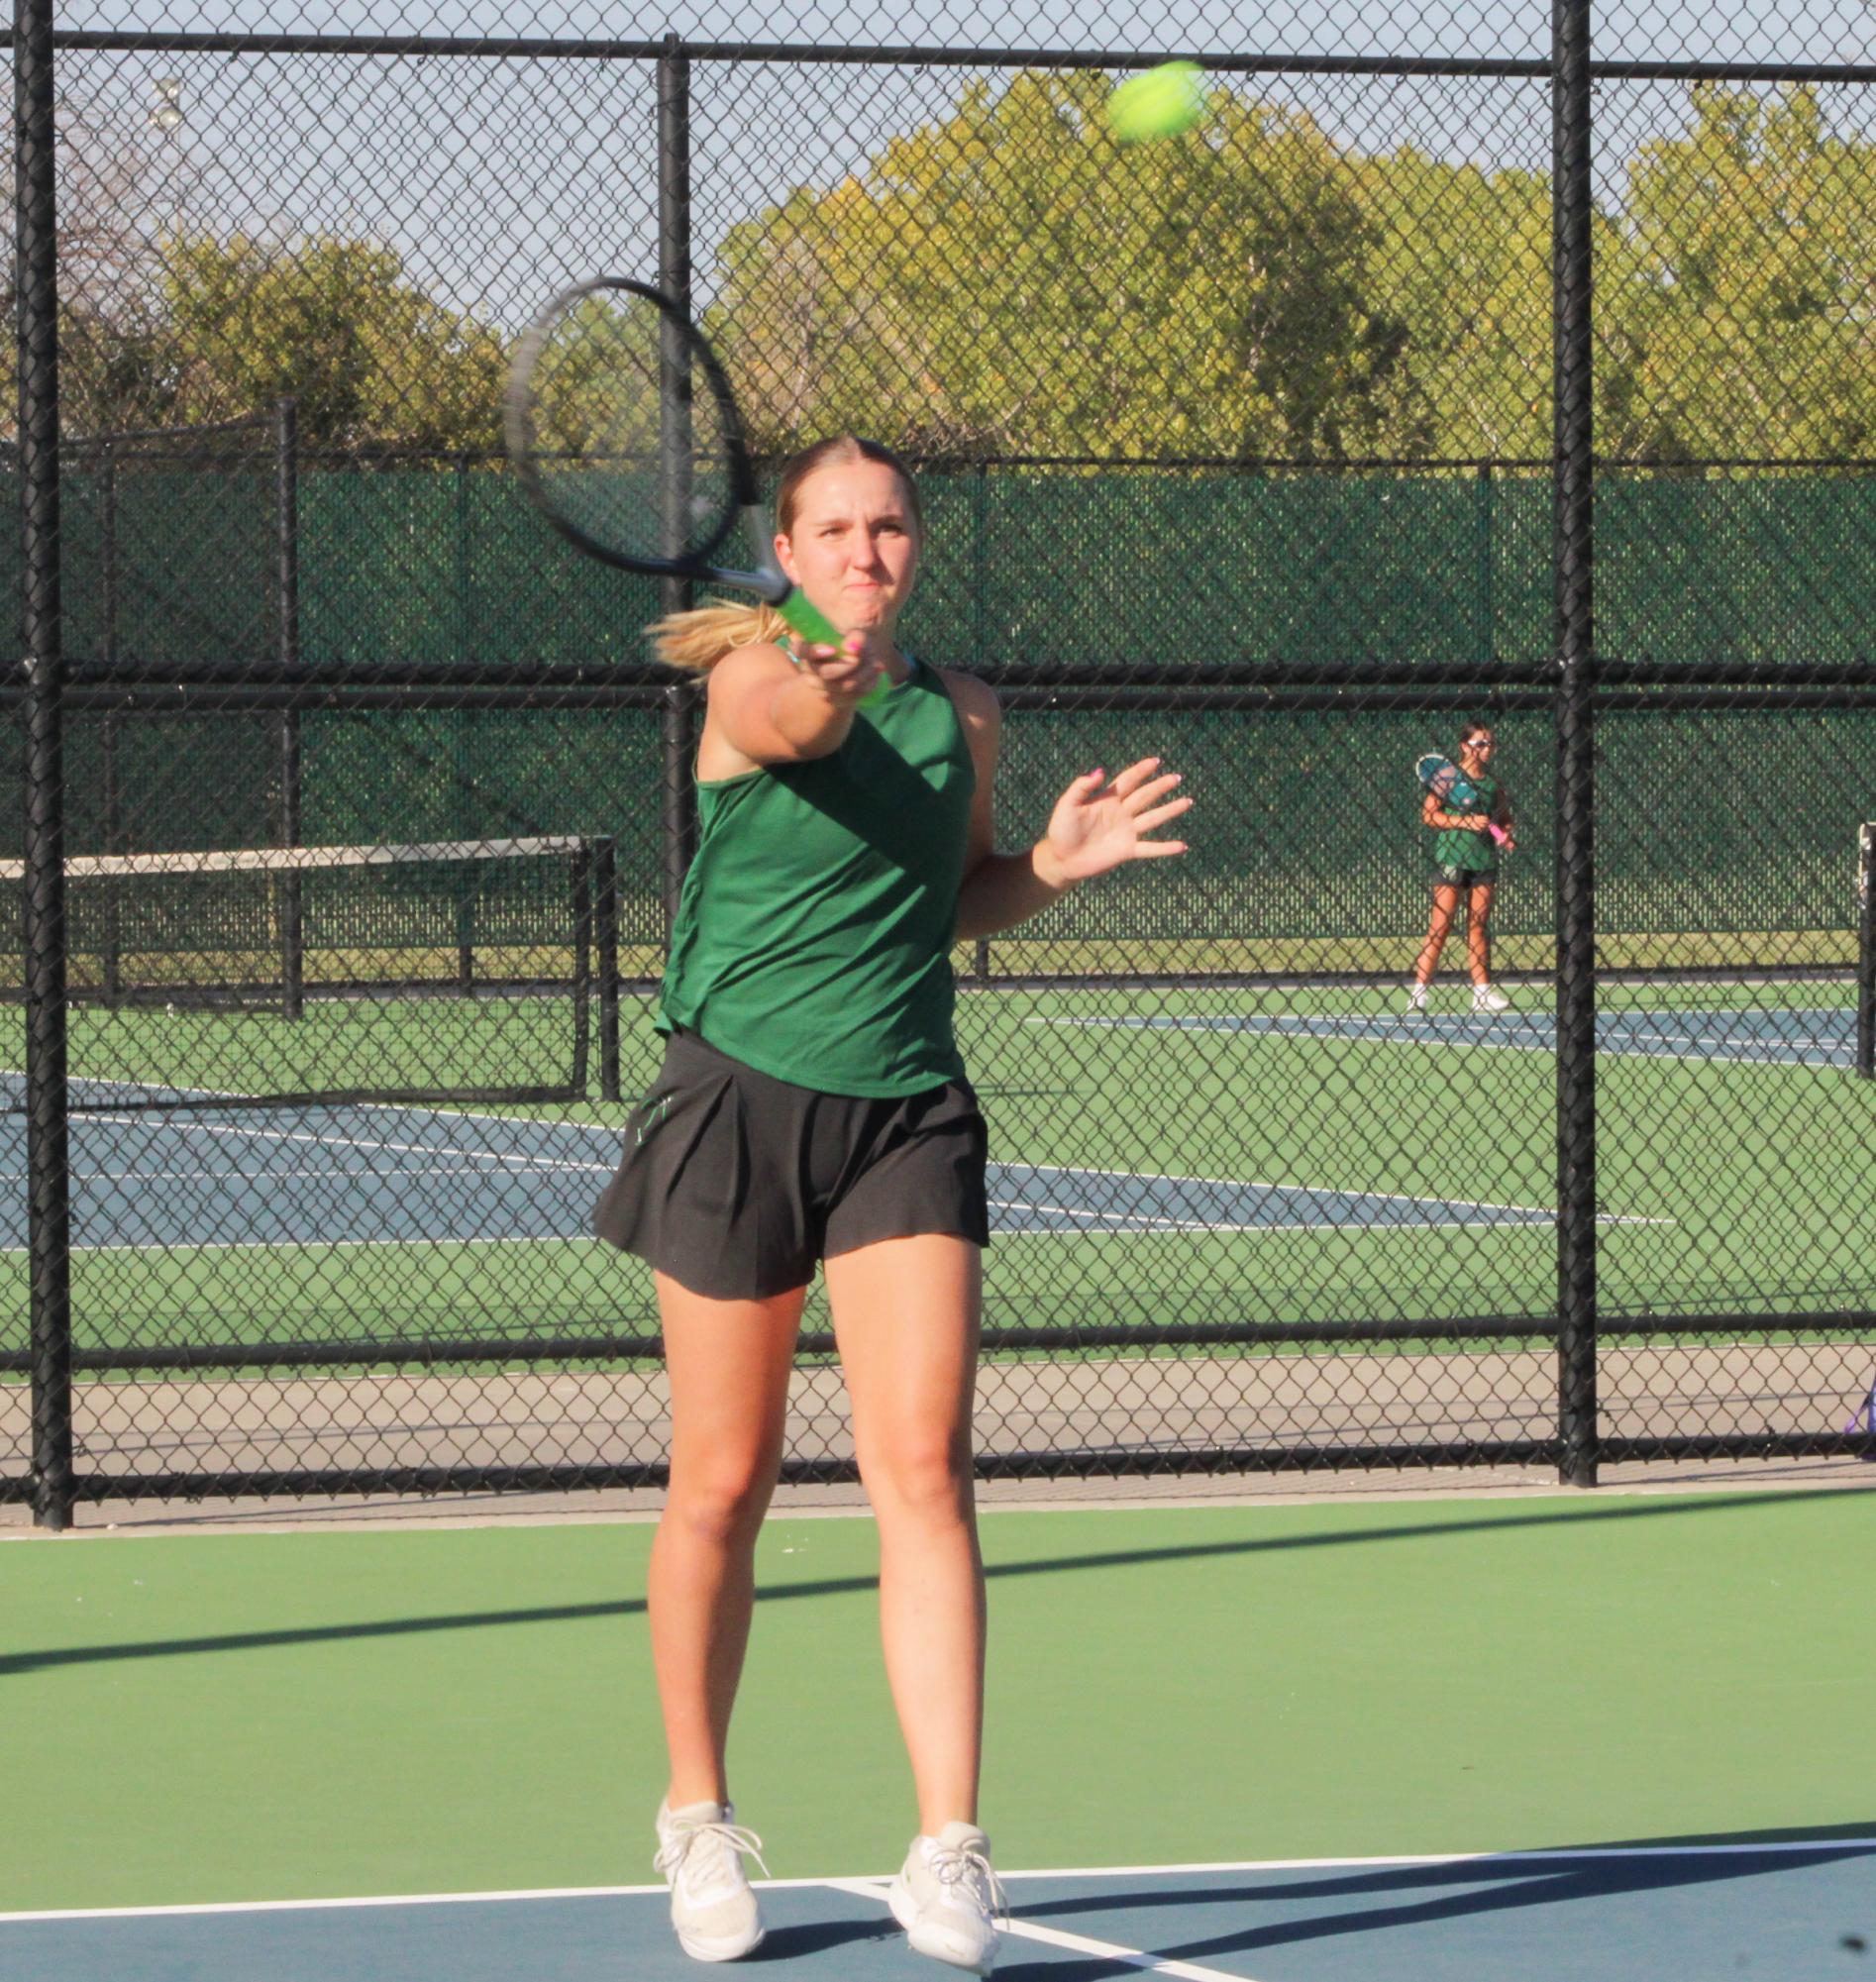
x=1010, y=279
x=112, y=175
x=368, y=355
x=1461, y=260
x=1742, y=317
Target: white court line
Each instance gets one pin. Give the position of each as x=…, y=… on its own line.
x=207, y=1178
x=875, y=1883
x=319, y=1141
x=1537, y=1212
x=1260, y=1184
x=1413, y=1038
x=445, y=1110
x=173, y=1247
x=1078, y=1943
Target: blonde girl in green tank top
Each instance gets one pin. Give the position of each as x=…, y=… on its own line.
x=792, y=750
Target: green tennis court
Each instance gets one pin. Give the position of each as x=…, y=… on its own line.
x=418, y=1218
x=1366, y=1717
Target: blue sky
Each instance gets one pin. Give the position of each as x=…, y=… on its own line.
x=499, y=181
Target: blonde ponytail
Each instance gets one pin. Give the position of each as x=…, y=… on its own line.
x=699, y=638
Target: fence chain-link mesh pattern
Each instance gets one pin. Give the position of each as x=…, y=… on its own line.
x=1244, y=449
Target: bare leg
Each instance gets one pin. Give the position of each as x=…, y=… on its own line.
x=1445, y=907
x=907, y=1314
x=728, y=1364
x=1478, y=933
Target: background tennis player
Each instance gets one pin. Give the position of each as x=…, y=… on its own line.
x=813, y=1109
x=1466, y=869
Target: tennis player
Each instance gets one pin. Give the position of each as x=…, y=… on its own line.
x=1466, y=869
x=812, y=1111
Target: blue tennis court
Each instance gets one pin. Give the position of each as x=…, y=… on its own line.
x=364, y=1175
x=1672, y=1914
x=1821, y=1036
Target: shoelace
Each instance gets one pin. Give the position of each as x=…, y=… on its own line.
x=954, y=1866
x=720, y=1841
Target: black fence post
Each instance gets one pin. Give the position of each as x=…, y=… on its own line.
x=1573, y=524
x=287, y=653
x=675, y=595
x=463, y=738
x=1488, y=596
x=47, y=1151
x=116, y=840
x=582, y=863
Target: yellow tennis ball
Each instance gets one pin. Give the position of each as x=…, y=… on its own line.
x=1158, y=103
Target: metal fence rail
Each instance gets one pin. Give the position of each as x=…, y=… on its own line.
x=1514, y=370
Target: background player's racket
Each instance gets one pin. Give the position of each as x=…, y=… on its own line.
x=622, y=427
x=1453, y=788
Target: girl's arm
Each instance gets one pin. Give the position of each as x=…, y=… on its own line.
x=1432, y=814
x=999, y=891
x=1092, y=829
x=770, y=709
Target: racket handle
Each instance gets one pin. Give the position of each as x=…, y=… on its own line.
x=814, y=625
x=1498, y=834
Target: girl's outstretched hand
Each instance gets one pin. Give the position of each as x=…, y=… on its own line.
x=1099, y=823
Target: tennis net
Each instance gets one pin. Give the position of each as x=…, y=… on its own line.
x=466, y=970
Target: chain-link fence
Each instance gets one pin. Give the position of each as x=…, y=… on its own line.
x=1459, y=368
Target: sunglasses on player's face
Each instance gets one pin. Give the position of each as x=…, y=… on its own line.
x=1480, y=743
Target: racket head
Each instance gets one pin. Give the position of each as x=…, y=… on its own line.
x=1438, y=774
x=623, y=430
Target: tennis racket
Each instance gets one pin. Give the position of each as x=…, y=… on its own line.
x=622, y=427
x=1453, y=788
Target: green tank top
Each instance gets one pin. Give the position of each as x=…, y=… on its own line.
x=813, y=935
x=1454, y=848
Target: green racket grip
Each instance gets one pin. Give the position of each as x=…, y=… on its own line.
x=809, y=620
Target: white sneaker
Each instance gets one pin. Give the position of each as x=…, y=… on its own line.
x=700, y=1852
x=1485, y=998
x=1417, y=997
x=947, y=1898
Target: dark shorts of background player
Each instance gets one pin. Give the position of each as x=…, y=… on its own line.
x=736, y=1184
x=1464, y=877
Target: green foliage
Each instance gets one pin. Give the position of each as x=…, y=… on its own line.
x=1742, y=318
x=1010, y=279
x=340, y=326
x=1013, y=280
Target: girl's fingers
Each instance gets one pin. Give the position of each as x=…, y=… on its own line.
x=1144, y=794
x=1146, y=821
x=1125, y=782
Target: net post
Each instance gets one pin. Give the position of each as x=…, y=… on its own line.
x=582, y=968
x=605, y=883
x=1573, y=572
x=679, y=726
x=1866, y=951
x=110, y=938
x=48, y=1168
x=288, y=656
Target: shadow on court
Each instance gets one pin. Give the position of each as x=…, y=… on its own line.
x=1680, y=1506
x=1411, y=1918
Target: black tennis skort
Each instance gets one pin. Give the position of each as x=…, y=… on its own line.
x=736, y=1184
